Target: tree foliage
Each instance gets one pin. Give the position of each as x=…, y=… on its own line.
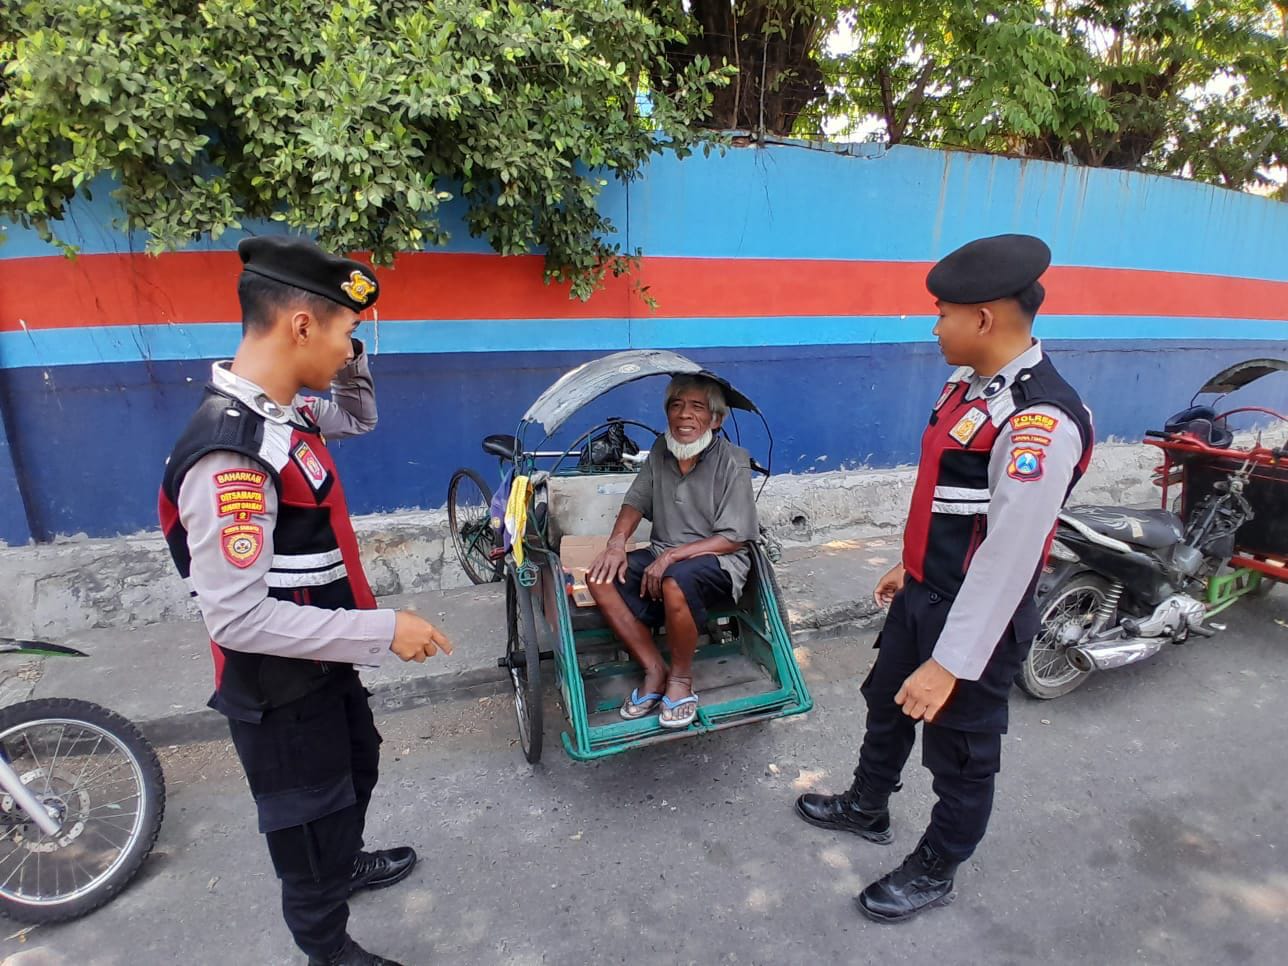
x=353, y=121
x=1190, y=87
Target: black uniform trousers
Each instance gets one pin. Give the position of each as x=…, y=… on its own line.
x=963, y=747
x=312, y=766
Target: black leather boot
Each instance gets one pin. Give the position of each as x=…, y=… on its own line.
x=377, y=870
x=851, y=811
x=923, y=881
x=351, y=954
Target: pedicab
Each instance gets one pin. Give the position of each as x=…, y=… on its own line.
x=556, y=499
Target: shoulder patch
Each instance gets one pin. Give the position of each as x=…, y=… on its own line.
x=1032, y=420
x=243, y=477
x=242, y=543
x=1035, y=439
x=1025, y=464
x=239, y=493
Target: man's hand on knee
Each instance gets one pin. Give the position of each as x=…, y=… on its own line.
x=609, y=566
x=651, y=584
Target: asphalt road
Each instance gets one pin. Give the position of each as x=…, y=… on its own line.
x=1139, y=820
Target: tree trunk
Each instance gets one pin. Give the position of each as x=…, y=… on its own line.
x=772, y=45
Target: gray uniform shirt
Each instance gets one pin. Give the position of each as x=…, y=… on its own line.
x=1022, y=511
x=715, y=499
x=234, y=601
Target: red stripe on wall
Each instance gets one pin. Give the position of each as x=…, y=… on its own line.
x=193, y=287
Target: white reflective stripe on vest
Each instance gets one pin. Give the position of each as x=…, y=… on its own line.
x=306, y=561
x=314, y=578
x=962, y=493
x=959, y=509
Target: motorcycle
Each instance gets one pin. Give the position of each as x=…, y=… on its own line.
x=1122, y=583
x=82, y=796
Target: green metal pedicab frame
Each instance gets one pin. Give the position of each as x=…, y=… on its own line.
x=744, y=670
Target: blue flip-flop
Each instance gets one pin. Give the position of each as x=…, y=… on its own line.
x=639, y=705
x=676, y=723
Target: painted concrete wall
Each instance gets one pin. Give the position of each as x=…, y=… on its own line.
x=796, y=272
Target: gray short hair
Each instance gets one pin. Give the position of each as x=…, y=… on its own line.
x=714, y=391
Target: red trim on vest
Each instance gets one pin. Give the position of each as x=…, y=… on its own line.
x=955, y=420
x=217, y=653
x=299, y=488
x=168, y=514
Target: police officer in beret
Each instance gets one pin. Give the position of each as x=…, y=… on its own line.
x=255, y=517
x=1007, y=440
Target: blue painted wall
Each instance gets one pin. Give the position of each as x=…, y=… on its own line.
x=840, y=391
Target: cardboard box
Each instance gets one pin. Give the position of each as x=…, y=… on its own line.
x=577, y=554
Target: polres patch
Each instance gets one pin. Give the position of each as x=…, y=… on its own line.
x=242, y=543
x=1025, y=464
x=309, y=465
x=1031, y=420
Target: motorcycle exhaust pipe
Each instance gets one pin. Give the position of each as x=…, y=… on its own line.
x=1113, y=654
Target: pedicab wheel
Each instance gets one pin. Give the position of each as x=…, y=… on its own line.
x=100, y=780
x=523, y=658
x=469, y=516
x=1065, y=613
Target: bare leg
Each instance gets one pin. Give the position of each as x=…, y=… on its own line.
x=682, y=634
x=637, y=638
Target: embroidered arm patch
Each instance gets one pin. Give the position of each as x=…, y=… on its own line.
x=1025, y=464
x=240, y=494
x=1031, y=420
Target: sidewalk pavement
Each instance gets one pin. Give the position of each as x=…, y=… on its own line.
x=160, y=675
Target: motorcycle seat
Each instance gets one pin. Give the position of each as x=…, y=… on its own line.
x=1151, y=529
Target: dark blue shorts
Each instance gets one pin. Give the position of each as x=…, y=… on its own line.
x=702, y=579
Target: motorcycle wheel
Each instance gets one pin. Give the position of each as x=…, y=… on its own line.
x=1066, y=612
x=101, y=781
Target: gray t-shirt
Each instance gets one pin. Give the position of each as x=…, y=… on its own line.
x=715, y=499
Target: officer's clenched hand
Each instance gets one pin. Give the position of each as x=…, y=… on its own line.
x=416, y=638
x=926, y=691
x=888, y=586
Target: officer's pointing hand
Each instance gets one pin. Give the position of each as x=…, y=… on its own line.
x=416, y=639
x=925, y=691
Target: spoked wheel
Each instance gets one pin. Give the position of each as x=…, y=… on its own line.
x=1066, y=612
x=95, y=774
x=469, y=515
x=523, y=659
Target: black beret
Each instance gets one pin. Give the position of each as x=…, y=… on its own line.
x=989, y=268
x=294, y=261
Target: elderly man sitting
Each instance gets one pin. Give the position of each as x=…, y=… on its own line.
x=697, y=492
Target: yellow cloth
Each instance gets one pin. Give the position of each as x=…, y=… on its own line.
x=516, y=515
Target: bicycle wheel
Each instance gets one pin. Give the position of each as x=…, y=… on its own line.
x=99, y=779
x=470, y=518
x=523, y=660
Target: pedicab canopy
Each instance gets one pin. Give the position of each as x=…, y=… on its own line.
x=1241, y=374
x=591, y=380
